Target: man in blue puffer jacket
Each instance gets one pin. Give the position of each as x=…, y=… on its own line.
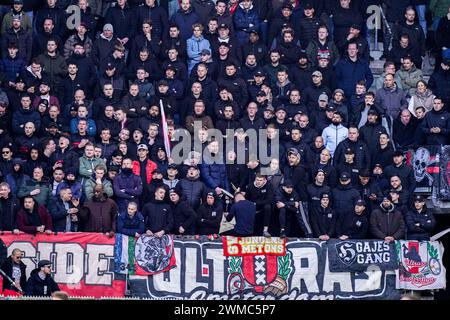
x=184, y=18
x=245, y=19
x=351, y=70
x=214, y=174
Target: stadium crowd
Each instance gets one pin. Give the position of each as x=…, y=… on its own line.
x=83, y=114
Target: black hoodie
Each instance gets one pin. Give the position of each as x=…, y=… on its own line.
x=40, y=287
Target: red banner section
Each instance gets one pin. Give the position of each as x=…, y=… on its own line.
x=83, y=263
x=253, y=246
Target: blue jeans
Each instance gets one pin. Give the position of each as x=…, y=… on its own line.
x=436, y=23
x=173, y=7
x=420, y=9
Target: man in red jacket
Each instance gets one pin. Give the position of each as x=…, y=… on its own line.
x=34, y=218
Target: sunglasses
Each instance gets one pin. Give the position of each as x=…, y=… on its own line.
x=6, y=152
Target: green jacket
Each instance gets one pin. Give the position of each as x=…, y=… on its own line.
x=409, y=79
x=87, y=167
x=54, y=68
x=89, y=188
x=25, y=22
x=439, y=8
x=42, y=198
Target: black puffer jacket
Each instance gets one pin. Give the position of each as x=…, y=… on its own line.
x=426, y=222
x=362, y=155
x=344, y=199
x=193, y=190
x=158, y=216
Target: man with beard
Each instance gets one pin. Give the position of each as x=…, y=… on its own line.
x=334, y=133
x=386, y=222
x=400, y=169
x=99, y=214
x=420, y=221
x=183, y=215
x=86, y=68
x=296, y=172
x=127, y=186
x=53, y=65
x=16, y=36
x=371, y=131
x=33, y=218
x=40, y=41
x=158, y=215
x=72, y=183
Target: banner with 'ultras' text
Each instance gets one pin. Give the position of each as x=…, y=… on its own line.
x=204, y=272
x=83, y=263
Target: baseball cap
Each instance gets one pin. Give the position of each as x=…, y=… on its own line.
x=223, y=26
x=142, y=146
x=398, y=153
x=43, y=263
x=172, y=166
x=163, y=83
x=261, y=94
x=323, y=97
x=446, y=62
x=260, y=73
x=323, y=55
x=206, y=52
x=349, y=151
x=287, y=6
x=356, y=26
x=17, y=2
x=360, y=202
x=331, y=108
x=269, y=108
x=317, y=73
x=365, y=173
x=280, y=107
x=110, y=66
x=292, y=151
x=345, y=176
x=419, y=198
x=373, y=112
x=224, y=44
x=288, y=183
x=325, y=195
x=254, y=31
x=308, y=6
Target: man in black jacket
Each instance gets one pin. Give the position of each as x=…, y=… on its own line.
x=353, y=225
x=8, y=209
x=359, y=147
x=436, y=124
x=400, y=169
x=183, y=215
x=41, y=282
x=209, y=215
x=261, y=193
x=344, y=195
x=158, y=215
x=14, y=268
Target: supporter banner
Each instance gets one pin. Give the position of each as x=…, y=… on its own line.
x=83, y=263
x=425, y=164
x=253, y=246
x=203, y=272
x=444, y=181
x=359, y=255
x=144, y=256
x=420, y=265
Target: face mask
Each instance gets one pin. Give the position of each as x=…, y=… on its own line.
x=127, y=171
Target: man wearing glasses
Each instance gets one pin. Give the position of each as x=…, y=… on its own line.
x=41, y=282
x=14, y=268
